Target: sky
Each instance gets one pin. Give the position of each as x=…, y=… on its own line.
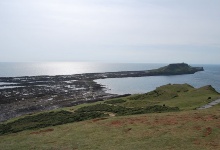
x=127, y=31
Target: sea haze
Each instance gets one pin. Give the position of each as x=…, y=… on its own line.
x=211, y=75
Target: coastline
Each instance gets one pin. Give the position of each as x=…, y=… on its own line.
x=37, y=93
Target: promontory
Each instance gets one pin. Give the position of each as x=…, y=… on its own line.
x=28, y=94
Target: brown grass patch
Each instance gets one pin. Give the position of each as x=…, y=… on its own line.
x=207, y=132
x=98, y=119
x=42, y=131
x=198, y=128
x=213, y=144
x=197, y=142
x=117, y=123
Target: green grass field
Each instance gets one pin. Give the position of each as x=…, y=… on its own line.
x=186, y=129
x=183, y=96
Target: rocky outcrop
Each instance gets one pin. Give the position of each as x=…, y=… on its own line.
x=175, y=69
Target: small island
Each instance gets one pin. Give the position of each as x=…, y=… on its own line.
x=30, y=94
x=176, y=69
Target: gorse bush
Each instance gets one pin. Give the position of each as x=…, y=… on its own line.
x=46, y=119
x=115, y=101
x=102, y=108
x=119, y=110
x=84, y=113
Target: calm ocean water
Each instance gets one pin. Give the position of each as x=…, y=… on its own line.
x=211, y=75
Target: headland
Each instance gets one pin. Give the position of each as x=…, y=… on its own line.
x=30, y=94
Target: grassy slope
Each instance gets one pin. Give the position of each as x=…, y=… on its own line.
x=183, y=96
x=192, y=129
x=196, y=130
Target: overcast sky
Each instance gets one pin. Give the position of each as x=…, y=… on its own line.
x=151, y=31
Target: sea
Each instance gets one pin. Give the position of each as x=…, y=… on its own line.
x=134, y=85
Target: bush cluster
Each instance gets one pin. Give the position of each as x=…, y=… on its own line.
x=84, y=113
x=46, y=119
x=119, y=110
x=115, y=101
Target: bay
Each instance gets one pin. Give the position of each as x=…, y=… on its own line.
x=211, y=75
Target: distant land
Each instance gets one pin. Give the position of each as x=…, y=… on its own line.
x=29, y=94
x=171, y=69
x=176, y=69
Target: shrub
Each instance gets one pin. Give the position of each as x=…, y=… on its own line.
x=84, y=113
x=115, y=101
x=46, y=119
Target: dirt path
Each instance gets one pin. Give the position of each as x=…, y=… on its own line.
x=211, y=104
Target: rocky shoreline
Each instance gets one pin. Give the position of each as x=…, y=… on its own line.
x=30, y=94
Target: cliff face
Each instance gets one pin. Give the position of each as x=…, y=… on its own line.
x=175, y=69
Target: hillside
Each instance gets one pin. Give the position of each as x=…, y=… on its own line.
x=191, y=130
x=155, y=120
